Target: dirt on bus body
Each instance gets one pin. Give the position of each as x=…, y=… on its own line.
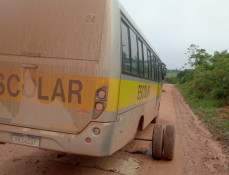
x=195, y=151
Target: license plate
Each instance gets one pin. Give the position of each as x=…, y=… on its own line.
x=26, y=140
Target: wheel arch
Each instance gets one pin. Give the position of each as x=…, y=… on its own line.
x=141, y=123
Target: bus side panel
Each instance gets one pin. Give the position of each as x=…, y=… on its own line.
x=158, y=99
x=129, y=117
x=135, y=92
x=125, y=128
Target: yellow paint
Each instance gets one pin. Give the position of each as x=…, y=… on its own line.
x=30, y=81
x=129, y=92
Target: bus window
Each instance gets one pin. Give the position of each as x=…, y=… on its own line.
x=155, y=68
x=140, y=58
x=146, y=65
x=126, y=64
x=160, y=72
x=150, y=65
x=134, y=53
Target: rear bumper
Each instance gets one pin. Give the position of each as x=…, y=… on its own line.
x=69, y=143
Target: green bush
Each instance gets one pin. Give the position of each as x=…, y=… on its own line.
x=171, y=80
x=208, y=79
x=220, y=76
x=206, y=88
x=185, y=76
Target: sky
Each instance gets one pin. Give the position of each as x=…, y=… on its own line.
x=171, y=26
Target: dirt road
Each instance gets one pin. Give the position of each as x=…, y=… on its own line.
x=196, y=153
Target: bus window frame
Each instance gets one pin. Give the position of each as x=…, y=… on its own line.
x=145, y=59
x=141, y=74
x=154, y=57
x=128, y=31
x=152, y=66
x=155, y=68
x=149, y=63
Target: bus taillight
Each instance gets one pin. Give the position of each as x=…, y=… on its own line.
x=100, y=101
x=99, y=106
x=101, y=94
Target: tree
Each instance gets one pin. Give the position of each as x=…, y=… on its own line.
x=197, y=56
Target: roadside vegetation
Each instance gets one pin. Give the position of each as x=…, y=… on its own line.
x=206, y=88
x=171, y=77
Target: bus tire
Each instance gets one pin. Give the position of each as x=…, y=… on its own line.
x=157, y=142
x=169, y=142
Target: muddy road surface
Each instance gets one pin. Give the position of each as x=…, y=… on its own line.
x=196, y=152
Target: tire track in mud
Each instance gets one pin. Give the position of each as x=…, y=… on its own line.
x=200, y=153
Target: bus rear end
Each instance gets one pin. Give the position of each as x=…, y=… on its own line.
x=50, y=95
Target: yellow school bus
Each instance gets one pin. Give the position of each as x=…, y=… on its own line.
x=76, y=76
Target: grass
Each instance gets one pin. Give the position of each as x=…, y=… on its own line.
x=208, y=111
x=171, y=78
x=171, y=74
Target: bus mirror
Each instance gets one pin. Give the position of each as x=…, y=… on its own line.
x=164, y=72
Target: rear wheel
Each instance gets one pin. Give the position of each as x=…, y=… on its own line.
x=169, y=142
x=157, y=142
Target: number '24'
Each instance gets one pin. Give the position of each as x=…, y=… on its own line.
x=90, y=19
